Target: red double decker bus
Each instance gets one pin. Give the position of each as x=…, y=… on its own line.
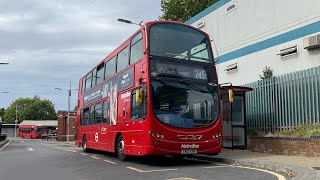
x=156, y=94
x=31, y=132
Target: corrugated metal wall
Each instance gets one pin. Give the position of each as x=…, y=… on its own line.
x=285, y=101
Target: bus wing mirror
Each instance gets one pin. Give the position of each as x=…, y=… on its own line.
x=139, y=97
x=230, y=95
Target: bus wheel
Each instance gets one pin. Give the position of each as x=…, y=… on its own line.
x=84, y=144
x=120, y=149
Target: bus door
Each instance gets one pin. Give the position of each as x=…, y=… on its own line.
x=136, y=105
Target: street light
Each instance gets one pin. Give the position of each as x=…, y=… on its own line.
x=69, y=99
x=129, y=22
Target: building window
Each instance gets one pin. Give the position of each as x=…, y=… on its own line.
x=123, y=58
x=136, y=52
x=110, y=68
x=231, y=8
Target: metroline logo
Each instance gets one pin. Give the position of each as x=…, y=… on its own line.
x=190, y=146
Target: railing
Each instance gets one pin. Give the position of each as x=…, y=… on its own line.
x=284, y=102
x=52, y=137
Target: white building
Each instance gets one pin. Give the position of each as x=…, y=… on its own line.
x=252, y=34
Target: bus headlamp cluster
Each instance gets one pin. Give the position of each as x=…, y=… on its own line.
x=216, y=135
x=156, y=135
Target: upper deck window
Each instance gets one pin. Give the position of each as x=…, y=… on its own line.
x=100, y=72
x=88, y=81
x=110, y=68
x=136, y=48
x=123, y=58
x=180, y=42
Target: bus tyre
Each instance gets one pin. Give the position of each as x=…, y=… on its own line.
x=120, y=149
x=84, y=144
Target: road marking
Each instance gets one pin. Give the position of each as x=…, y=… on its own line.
x=110, y=161
x=5, y=145
x=182, y=178
x=147, y=171
x=30, y=149
x=279, y=176
x=84, y=154
x=210, y=167
x=94, y=157
x=71, y=150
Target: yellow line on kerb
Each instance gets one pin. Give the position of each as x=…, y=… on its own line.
x=148, y=171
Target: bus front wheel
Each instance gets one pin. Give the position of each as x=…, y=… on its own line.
x=120, y=149
x=84, y=144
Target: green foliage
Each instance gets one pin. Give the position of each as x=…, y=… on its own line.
x=30, y=109
x=183, y=10
x=2, y=113
x=304, y=131
x=267, y=73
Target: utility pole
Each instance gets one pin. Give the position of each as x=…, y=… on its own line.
x=16, y=121
x=68, y=118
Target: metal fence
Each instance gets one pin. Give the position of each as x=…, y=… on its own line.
x=285, y=101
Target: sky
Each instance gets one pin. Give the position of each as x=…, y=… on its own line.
x=49, y=44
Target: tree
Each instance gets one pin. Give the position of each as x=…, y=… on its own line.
x=267, y=73
x=30, y=108
x=183, y=10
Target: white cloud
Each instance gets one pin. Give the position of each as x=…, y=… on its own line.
x=49, y=43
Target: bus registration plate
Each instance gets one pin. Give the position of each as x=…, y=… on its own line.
x=188, y=151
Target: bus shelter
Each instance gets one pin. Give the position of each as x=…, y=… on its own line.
x=234, y=117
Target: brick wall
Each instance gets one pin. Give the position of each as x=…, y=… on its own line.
x=286, y=146
x=62, y=125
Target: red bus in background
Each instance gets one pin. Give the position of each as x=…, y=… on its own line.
x=31, y=132
x=156, y=94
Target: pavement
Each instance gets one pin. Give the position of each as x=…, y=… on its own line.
x=2, y=143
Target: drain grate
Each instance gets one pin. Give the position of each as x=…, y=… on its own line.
x=316, y=168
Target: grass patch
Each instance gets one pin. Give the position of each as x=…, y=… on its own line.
x=305, y=131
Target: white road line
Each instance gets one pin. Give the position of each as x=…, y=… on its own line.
x=84, y=154
x=147, y=171
x=30, y=149
x=211, y=167
x=5, y=145
x=279, y=176
x=110, y=161
x=94, y=157
x=182, y=178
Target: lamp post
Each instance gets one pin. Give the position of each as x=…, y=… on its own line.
x=69, y=99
